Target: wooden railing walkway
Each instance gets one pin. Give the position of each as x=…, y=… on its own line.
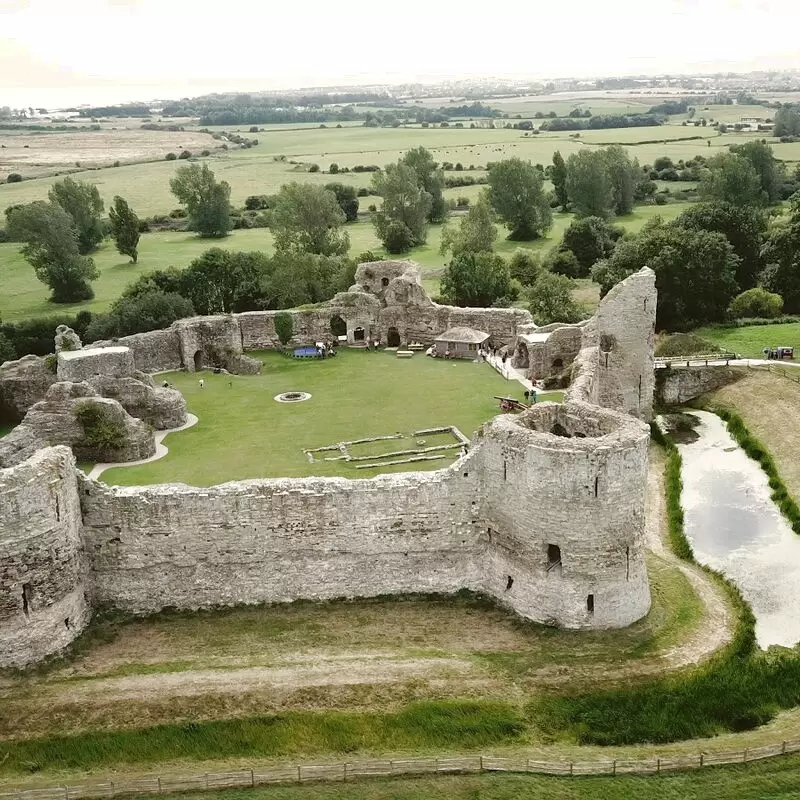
x=355, y=770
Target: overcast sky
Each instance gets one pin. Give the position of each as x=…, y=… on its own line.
x=123, y=49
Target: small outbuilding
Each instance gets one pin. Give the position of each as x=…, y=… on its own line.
x=460, y=343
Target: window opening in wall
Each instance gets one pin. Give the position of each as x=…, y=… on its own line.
x=559, y=430
x=27, y=596
x=505, y=470
x=590, y=604
x=558, y=363
x=58, y=509
x=359, y=335
x=640, y=390
x=384, y=281
x=627, y=563
x=489, y=534
x=553, y=556
x=67, y=624
x=645, y=304
x=596, y=485
x=509, y=583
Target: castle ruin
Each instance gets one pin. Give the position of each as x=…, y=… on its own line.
x=545, y=513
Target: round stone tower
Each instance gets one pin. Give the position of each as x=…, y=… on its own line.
x=564, y=511
x=43, y=604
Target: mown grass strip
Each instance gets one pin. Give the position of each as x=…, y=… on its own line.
x=423, y=726
x=759, y=453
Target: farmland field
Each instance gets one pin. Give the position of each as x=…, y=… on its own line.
x=256, y=170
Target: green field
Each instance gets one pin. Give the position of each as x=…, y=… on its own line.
x=256, y=170
x=750, y=340
x=244, y=433
x=24, y=296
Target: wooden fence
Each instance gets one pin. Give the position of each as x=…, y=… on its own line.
x=790, y=373
x=355, y=770
x=700, y=360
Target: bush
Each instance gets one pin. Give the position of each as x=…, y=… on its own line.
x=171, y=157
x=756, y=303
x=462, y=201
x=314, y=168
x=398, y=238
x=334, y=169
x=100, y=430
x=366, y=257
x=684, y=344
x=372, y=208
x=257, y=202
x=205, y=153
x=185, y=154
x=284, y=327
x=564, y=262
x=13, y=177
x=362, y=192
x=149, y=311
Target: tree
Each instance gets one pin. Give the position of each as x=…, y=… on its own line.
x=624, y=175
x=589, y=239
x=430, y=179
x=347, y=199
x=124, y=228
x=82, y=202
x=589, y=185
x=308, y=218
x=403, y=201
x=695, y=272
x=781, y=254
x=207, y=201
x=787, y=122
x=516, y=192
x=397, y=238
x=224, y=281
x=550, y=300
x=284, y=327
x=477, y=280
x=770, y=171
x=51, y=248
x=732, y=179
x=561, y=261
x=745, y=227
x=148, y=311
x=524, y=266
x=558, y=175
x=757, y=302
x=476, y=232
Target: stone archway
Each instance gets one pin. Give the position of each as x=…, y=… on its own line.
x=393, y=337
x=359, y=334
x=338, y=326
x=198, y=360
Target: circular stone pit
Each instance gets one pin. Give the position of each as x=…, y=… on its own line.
x=292, y=397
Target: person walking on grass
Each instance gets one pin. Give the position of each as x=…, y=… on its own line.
x=201, y=383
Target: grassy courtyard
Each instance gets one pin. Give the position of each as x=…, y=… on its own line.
x=750, y=340
x=244, y=433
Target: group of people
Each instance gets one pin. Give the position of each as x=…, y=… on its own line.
x=326, y=349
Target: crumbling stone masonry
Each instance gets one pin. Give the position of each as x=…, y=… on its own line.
x=545, y=512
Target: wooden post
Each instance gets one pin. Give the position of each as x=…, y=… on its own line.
x=66, y=793
x=658, y=766
x=111, y=783
x=571, y=765
x=206, y=781
x=345, y=771
x=480, y=764
x=701, y=759
x=744, y=755
x=299, y=779
x=159, y=784
x=614, y=767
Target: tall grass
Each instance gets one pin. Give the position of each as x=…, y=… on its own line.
x=758, y=452
x=739, y=688
x=429, y=725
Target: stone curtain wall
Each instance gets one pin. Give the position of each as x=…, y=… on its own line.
x=43, y=603
x=280, y=540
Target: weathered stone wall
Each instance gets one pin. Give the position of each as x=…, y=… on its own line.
x=23, y=383
x=80, y=365
x=625, y=325
x=155, y=351
x=279, y=540
x=43, y=604
x=676, y=384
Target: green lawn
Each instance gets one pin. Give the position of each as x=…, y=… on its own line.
x=750, y=340
x=24, y=296
x=244, y=433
